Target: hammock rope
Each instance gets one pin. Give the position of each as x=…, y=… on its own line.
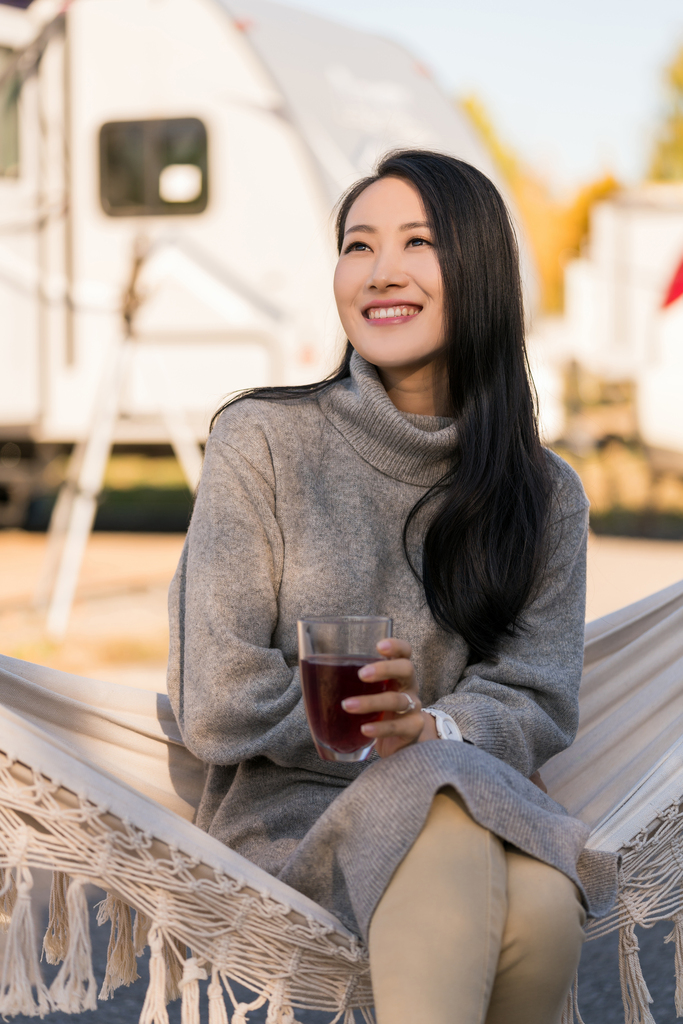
x=97, y=787
x=235, y=932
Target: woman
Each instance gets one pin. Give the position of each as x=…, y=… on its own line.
x=411, y=483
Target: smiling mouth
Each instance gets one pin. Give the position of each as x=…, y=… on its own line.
x=391, y=312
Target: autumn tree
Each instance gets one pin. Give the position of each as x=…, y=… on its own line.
x=556, y=228
x=667, y=157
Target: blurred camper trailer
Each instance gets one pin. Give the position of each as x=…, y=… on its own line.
x=167, y=172
x=623, y=319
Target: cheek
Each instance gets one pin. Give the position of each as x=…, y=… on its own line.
x=343, y=287
x=435, y=286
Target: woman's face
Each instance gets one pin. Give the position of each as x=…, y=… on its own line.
x=388, y=281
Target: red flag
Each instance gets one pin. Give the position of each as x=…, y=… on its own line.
x=675, y=288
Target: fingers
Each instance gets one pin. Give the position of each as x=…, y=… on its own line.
x=401, y=670
x=394, y=648
x=394, y=733
x=391, y=700
x=398, y=669
x=402, y=726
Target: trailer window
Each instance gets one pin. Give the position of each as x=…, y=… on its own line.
x=153, y=168
x=9, y=119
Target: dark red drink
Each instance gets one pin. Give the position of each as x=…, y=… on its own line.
x=327, y=680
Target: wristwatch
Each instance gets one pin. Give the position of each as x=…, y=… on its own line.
x=446, y=728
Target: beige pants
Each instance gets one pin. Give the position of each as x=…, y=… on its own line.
x=470, y=931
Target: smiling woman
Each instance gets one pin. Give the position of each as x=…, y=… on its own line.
x=388, y=278
x=410, y=485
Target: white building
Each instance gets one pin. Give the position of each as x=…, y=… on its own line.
x=186, y=154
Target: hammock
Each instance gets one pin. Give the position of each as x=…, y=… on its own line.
x=97, y=787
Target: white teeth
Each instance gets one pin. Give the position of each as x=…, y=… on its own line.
x=391, y=311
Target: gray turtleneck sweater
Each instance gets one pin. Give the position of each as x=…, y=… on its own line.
x=300, y=511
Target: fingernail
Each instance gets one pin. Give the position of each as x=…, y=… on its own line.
x=367, y=672
x=367, y=730
x=350, y=704
x=384, y=645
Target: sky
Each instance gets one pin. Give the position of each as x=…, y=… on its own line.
x=574, y=86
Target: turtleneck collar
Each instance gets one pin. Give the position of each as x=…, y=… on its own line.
x=413, y=449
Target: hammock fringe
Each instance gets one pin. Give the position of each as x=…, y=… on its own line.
x=121, y=966
x=154, y=1006
x=189, y=990
x=174, y=956
x=56, y=940
x=279, y=1009
x=74, y=988
x=8, y=897
x=21, y=969
x=141, y=932
x=217, y=1011
x=676, y=936
x=241, y=1010
x=634, y=991
x=239, y=930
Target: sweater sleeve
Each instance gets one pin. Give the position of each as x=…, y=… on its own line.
x=233, y=695
x=524, y=708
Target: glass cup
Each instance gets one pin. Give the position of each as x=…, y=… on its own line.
x=331, y=651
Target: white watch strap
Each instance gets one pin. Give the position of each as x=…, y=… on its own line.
x=446, y=727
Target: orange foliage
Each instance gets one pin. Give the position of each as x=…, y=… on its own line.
x=555, y=228
x=667, y=158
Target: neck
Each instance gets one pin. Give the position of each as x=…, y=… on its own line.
x=420, y=390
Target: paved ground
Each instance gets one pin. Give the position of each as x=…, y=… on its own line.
x=118, y=632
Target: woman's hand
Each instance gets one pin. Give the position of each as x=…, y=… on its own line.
x=395, y=730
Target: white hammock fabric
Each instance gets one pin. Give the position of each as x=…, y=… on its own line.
x=96, y=785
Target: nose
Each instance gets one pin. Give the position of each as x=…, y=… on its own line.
x=387, y=270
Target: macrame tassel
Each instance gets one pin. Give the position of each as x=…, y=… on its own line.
x=676, y=936
x=154, y=1007
x=240, y=1016
x=8, y=897
x=242, y=1009
x=21, y=969
x=279, y=1010
x=634, y=991
x=189, y=989
x=141, y=932
x=73, y=990
x=56, y=940
x=174, y=967
x=217, y=1012
x=121, y=966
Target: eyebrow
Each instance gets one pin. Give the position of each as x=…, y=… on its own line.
x=368, y=228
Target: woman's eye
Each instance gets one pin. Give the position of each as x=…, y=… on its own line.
x=356, y=247
x=419, y=241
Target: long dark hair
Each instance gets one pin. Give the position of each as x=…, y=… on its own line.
x=484, y=546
